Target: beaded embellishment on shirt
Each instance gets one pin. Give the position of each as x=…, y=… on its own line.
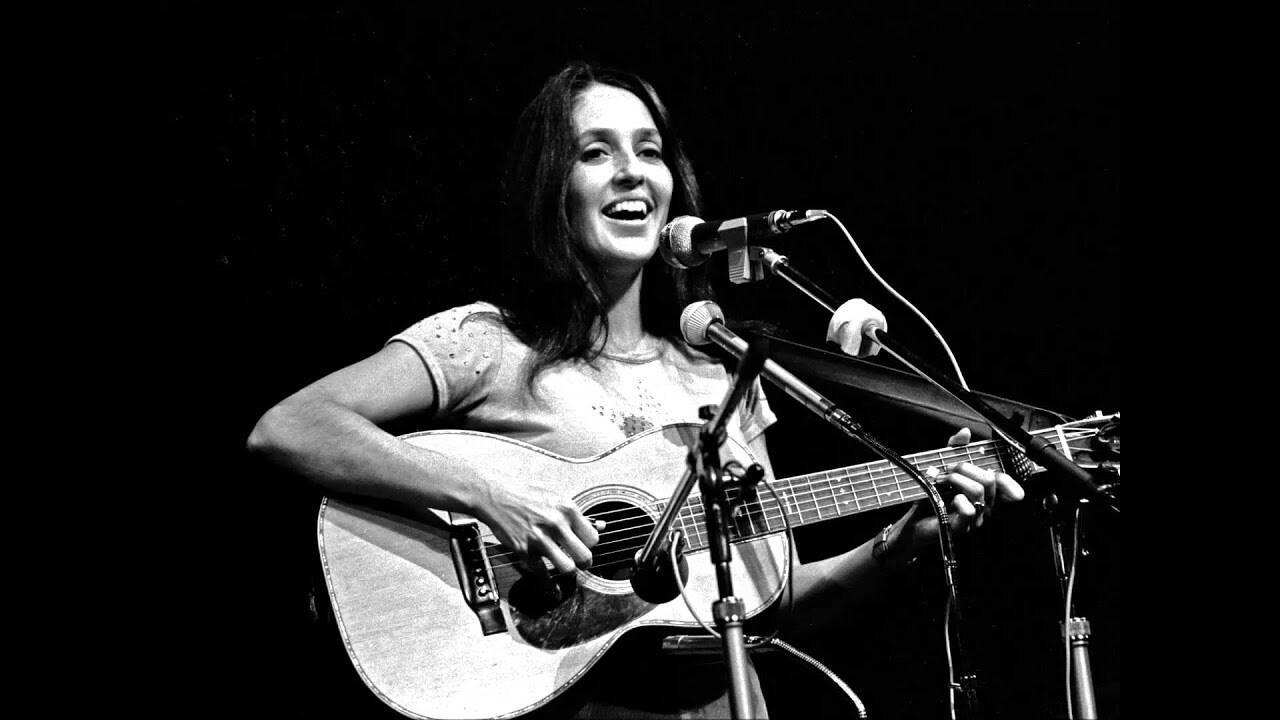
x=633, y=407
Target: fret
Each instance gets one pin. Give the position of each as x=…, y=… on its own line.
x=843, y=493
x=735, y=519
x=985, y=460
x=684, y=530
x=1004, y=459
x=785, y=504
x=897, y=483
x=824, y=496
x=898, y=475
x=786, y=493
x=884, y=497
x=793, y=507
x=831, y=491
x=936, y=467
x=868, y=491
x=818, y=500
x=797, y=499
x=743, y=511
x=764, y=511
x=811, y=499
x=853, y=492
x=693, y=508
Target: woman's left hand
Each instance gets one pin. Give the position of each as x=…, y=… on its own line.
x=979, y=491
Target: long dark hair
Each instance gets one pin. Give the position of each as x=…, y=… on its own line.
x=554, y=300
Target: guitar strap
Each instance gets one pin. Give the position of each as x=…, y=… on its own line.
x=872, y=385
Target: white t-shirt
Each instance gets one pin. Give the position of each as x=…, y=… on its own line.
x=576, y=408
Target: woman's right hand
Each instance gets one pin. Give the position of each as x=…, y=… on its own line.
x=534, y=520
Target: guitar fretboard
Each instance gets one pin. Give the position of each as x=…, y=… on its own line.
x=830, y=494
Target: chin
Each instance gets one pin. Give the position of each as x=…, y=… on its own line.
x=627, y=251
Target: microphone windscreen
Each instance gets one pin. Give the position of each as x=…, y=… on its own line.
x=675, y=242
x=695, y=320
x=850, y=324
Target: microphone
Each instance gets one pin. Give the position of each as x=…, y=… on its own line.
x=854, y=323
x=703, y=322
x=688, y=241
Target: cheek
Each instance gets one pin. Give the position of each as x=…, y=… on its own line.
x=577, y=200
x=664, y=187
x=577, y=185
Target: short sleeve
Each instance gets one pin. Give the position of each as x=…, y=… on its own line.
x=461, y=349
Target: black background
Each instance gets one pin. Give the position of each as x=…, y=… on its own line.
x=334, y=174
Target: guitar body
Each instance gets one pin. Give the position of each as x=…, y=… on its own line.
x=400, y=590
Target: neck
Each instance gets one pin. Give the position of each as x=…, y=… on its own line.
x=626, y=330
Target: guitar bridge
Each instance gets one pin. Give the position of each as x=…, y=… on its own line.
x=475, y=577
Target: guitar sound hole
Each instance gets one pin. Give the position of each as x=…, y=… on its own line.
x=627, y=529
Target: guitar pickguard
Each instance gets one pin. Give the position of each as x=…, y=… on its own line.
x=569, y=610
x=583, y=615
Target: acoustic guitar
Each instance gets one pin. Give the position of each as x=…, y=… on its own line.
x=440, y=622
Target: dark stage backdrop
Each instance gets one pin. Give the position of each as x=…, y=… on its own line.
x=335, y=173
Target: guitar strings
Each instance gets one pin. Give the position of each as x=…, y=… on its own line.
x=805, y=492
x=799, y=493
x=694, y=532
x=884, y=471
x=800, y=497
x=753, y=512
x=873, y=477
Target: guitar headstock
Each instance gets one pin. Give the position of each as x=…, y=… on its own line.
x=1103, y=454
x=1092, y=443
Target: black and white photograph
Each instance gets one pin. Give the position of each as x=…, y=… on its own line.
x=649, y=360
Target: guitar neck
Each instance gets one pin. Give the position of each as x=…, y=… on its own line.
x=831, y=494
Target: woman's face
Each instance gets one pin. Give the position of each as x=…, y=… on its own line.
x=620, y=187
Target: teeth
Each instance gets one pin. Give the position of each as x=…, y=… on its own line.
x=627, y=207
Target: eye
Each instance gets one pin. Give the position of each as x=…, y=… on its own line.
x=651, y=152
x=593, y=153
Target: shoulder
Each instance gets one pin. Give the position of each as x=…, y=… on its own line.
x=466, y=350
x=471, y=336
x=477, y=320
x=480, y=313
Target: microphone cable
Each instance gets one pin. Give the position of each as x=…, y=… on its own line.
x=951, y=605
x=1066, y=621
x=941, y=340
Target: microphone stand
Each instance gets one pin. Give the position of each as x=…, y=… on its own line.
x=728, y=611
x=1075, y=630
x=652, y=578
x=1066, y=518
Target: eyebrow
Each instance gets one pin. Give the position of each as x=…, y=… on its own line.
x=645, y=133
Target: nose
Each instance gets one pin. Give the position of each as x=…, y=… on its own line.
x=628, y=169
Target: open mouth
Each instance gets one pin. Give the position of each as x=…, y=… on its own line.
x=627, y=210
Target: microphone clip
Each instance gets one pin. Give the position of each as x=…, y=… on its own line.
x=743, y=257
x=654, y=580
